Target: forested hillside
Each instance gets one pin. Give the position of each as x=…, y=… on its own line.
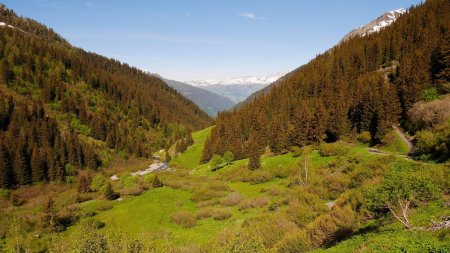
x=363, y=85
x=60, y=106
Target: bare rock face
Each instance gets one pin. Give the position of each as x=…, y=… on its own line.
x=376, y=25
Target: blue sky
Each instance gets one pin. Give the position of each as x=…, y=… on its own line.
x=205, y=39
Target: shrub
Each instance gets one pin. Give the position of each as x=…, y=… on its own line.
x=128, y=180
x=424, y=115
x=332, y=149
x=109, y=193
x=221, y=214
x=98, y=181
x=84, y=182
x=135, y=190
x=92, y=223
x=217, y=162
x=429, y=94
x=254, y=203
x=364, y=137
x=270, y=228
x=157, y=183
x=228, y=157
x=148, y=179
x=331, y=227
x=404, y=186
x=231, y=200
x=204, y=213
x=4, y=193
x=296, y=241
x=300, y=214
x=184, y=219
x=240, y=242
x=259, y=177
x=104, y=205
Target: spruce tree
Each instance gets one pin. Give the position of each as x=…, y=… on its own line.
x=37, y=166
x=6, y=179
x=253, y=152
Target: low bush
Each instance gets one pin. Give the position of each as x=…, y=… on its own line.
x=184, y=219
x=221, y=214
x=92, y=223
x=364, y=137
x=104, y=205
x=259, y=177
x=231, y=200
x=204, y=213
x=98, y=181
x=135, y=190
x=296, y=241
x=254, y=203
x=332, y=149
x=128, y=180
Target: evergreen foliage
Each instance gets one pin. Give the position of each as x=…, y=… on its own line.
x=56, y=99
x=364, y=84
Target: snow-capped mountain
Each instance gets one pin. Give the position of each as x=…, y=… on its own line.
x=376, y=25
x=246, y=80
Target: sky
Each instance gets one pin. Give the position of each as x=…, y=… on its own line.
x=206, y=39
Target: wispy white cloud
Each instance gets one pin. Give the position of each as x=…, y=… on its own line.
x=250, y=15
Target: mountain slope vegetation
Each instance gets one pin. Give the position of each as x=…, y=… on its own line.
x=61, y=106
x=208, y=101
x=365, y=84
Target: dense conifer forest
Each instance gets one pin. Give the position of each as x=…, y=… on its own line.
x=365, y=84
x=59, y=105
x=348, y=153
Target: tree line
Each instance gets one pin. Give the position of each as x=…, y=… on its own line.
x=365, y=84
x=60, y=105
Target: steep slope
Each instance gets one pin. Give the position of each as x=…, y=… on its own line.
x=346, y=89
x=376, y=25
x=208, y=101
x=64, y=108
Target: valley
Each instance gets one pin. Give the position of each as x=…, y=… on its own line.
x=349, y=152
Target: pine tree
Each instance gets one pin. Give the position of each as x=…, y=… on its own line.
x=254, y=156
x=21, y=167
x=6, y=179
x=50, y=219
x=37, y=166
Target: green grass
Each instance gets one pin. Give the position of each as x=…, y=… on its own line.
x=151, y=211
x=191, y=157
x=395, y=144
x=394, y=238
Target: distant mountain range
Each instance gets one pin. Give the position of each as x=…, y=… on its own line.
x=245, y=80
x=208, y=101
x=237, y=89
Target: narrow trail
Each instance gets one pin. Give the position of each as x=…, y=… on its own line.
x=405, y=139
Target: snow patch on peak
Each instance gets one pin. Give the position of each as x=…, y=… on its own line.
x=376, y=25
x=245, y=80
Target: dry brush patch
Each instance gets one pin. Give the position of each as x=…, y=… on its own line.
x=183, y=218
x=257, y=202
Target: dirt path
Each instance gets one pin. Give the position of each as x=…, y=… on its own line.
x=405, y=139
